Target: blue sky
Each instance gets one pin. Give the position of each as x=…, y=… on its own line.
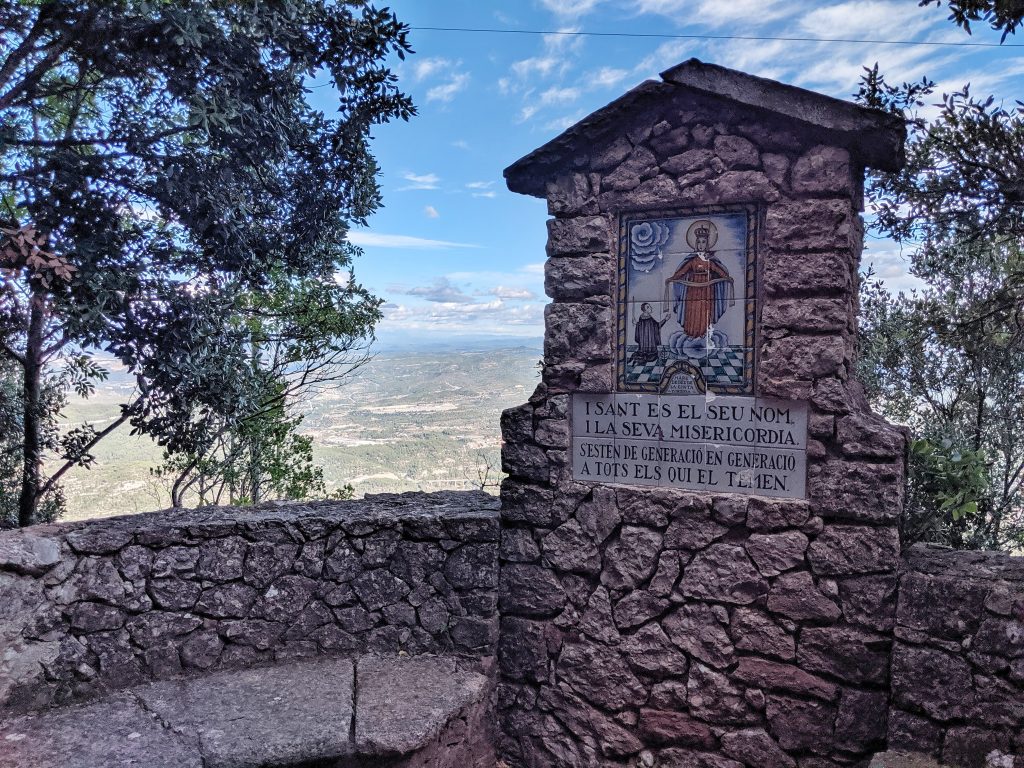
x=457, y=256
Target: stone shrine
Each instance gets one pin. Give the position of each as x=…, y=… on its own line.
x=699, y=528
x=696, y=562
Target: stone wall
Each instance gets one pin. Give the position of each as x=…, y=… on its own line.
x=677, y=628
x=958, y=659
x=90, y=607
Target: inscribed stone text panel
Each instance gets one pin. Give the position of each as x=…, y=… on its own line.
x=686, y=301
x=699, y=442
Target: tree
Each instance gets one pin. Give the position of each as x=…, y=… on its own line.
x=949, y=360
x=160, y=165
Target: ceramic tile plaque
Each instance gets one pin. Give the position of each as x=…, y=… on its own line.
x=686, y=301
x=712, y=443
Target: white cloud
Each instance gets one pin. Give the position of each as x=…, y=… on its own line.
x=506, y=292
x=431, y=212
x=876, y=19
x=479, y=185
x=380, y=240
x=441, y=290
x=664, y=56
x=420, y=181
x=446, y=92
x=460, y=144
x=424, y=68
x=527, y=112
x=493, y=317
x=607, y=77
x=488, y=194
x=536, y=65
x=557, y=95
x=570, y=8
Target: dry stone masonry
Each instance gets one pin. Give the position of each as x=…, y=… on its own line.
x=90, y=608
x=699, y=545
x=958, y=658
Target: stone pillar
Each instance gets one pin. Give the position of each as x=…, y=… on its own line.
x=661, y=616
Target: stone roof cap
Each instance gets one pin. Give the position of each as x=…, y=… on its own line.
x=873, y=136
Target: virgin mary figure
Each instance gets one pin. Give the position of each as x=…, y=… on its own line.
x=701, y=288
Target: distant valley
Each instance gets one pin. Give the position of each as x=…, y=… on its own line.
x=407, y=420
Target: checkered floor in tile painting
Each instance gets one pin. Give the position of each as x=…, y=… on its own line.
x=722, y=366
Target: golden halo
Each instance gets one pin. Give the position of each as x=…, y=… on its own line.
x=712, y=233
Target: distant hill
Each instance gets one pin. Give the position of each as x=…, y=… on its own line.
x=407, y=420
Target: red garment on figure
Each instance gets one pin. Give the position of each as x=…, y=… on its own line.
x=699, y=310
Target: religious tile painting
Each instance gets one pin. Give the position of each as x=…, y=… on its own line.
x=686, y=301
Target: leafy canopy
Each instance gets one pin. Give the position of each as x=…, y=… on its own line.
x=163, y=160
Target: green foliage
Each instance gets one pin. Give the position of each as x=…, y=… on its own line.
x=163, y=169
x=947, y=486
x=948, y=360
x=1002, y=15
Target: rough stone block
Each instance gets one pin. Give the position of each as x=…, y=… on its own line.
x=808, y=315
x=862, y=722
x=849, y=654
x=853, y=550
x=578, y=278
x=796, y=597
x=766, y=515
x=116, y=731
x=870, y=601
x=600, y=675
x=698, y=630
x=804, y=357
x=649, y=651
x=638, y=608
x=574, y=194
x=799, y=724
x=737, y=152
x=579, y=332
x=812, y=225
x=775, y=553
x=754, y=747
x=931, y=681
x=857, y=491
x=529, y=590
x=661, y=728
x=912, y=732
x=693, y=530
x=752, y=630
x=631, y=559
x=723, y=573
x=789, y=273
x=579, y=236
x=569, y=548
x=948, y=608
x=825, y=170
x=713, y=698
x=773, y=676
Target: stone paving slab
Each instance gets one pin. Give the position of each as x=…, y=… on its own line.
x=402, y=703
x=269, y=716
x=113, y=732
x=401, y=710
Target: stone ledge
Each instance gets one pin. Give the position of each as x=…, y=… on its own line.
x=102, y=535
x=342, y=712
x=964, y=564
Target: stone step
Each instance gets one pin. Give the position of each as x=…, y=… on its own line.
x=398, y=711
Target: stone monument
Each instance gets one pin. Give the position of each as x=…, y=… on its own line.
x=699, y=544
